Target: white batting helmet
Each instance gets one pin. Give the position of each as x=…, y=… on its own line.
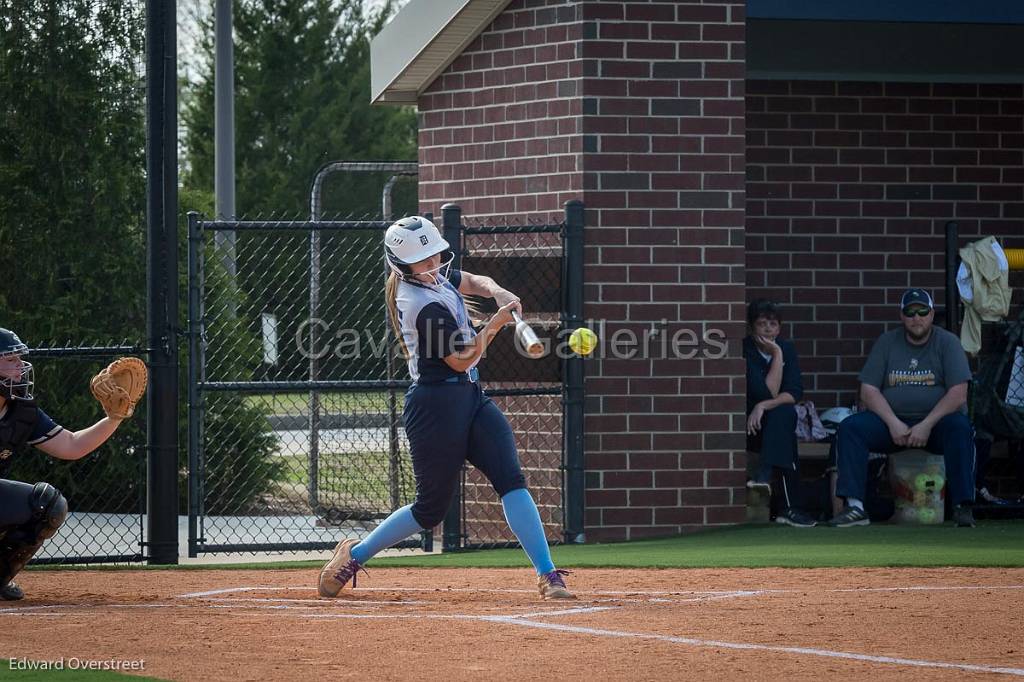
x=411, y=240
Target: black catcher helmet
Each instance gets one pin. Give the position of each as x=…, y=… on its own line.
x=16, y=381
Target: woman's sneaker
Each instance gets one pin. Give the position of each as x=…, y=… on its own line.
x=339, y=570
x=988, y=497
x=850, y=516
x=552, y=585
x=763, y=487
x=795, y=518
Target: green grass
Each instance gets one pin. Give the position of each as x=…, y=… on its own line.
x=346, y=402
x=66, y=675
x=992, y=544
x=359, y=479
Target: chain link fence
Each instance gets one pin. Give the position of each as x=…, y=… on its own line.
x=525, y=258
x=291, y=406
x=296, y=385
x=105, y=490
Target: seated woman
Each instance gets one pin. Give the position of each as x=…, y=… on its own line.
x=773, y=388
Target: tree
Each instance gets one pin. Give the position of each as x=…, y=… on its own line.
x=72, y=213
x=302, y=99
x=72, y=199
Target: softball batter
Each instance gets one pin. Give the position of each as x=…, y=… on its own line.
x=448, y=418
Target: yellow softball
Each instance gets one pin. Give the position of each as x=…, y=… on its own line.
x=583, y=341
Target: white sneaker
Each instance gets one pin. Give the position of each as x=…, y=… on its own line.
x=984, y=494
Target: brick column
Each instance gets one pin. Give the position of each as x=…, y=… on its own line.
x=663, y=143
x=638, y=110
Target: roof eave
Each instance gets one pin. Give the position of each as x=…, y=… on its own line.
x=421, y=41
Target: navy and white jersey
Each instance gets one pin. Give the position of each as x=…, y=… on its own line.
x=435, y=324
x=45, y=429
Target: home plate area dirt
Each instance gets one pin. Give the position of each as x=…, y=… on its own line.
x=473, y=624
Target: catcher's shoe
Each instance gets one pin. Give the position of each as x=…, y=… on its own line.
x=552, y=585
x=339, y=570
x=11, y=592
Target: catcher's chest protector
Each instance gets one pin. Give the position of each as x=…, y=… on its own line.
x=16, y=428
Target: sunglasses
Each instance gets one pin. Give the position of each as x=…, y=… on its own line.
x=919, y=312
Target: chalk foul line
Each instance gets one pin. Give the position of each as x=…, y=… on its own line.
x=710, y=643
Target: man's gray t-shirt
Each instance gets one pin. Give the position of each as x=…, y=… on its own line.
x=914, y=378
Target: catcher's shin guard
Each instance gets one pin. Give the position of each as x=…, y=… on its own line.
x=49, y=508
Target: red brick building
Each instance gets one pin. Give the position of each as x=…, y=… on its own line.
x=712, y=175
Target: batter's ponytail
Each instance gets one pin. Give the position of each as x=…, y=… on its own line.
x=391, y=299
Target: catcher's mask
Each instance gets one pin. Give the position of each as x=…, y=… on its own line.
x=16, y=379
x=411, y=240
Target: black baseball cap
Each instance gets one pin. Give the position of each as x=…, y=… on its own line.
x=918, y=296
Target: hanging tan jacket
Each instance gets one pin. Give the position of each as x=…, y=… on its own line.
x=983, y=280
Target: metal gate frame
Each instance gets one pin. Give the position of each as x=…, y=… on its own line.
x=571, y=391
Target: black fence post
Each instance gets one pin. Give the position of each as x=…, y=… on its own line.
x=162, y=289
x=572, y=386
x=451, y=228
x=952, y=293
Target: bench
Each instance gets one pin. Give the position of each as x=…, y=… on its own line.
x=808, y=451
x=815, y=450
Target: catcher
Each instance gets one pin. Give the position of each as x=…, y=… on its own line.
x=29, y=514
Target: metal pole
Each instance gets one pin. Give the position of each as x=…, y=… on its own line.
x=573, y=392
x=313, y=487
x=162, y=259
x=195, y=237
x=394, y=452
x=952, y=293
x=451, y=217
x=224, y=133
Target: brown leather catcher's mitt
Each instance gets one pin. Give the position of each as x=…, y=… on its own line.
x=119, y=386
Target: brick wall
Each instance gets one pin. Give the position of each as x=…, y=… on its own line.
x=849, y=187
x=663, y=172
x=637, y=109
x=499, y=130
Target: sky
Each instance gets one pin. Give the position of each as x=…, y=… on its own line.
x=189, y=13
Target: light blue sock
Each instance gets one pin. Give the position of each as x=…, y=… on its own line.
x=393, y=530
x=524, y=520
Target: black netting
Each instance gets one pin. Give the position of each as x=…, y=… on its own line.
x=105, y=490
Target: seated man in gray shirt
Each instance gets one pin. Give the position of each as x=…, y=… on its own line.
x=914, y=386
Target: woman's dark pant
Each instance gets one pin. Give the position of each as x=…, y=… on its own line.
x=777, y=463
x=865, y=432
x=448, y=424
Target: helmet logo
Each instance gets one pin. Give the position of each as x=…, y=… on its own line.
x=424, y=240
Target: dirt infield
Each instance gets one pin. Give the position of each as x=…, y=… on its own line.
x=462, y=624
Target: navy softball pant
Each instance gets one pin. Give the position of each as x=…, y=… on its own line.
x=448, y=424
